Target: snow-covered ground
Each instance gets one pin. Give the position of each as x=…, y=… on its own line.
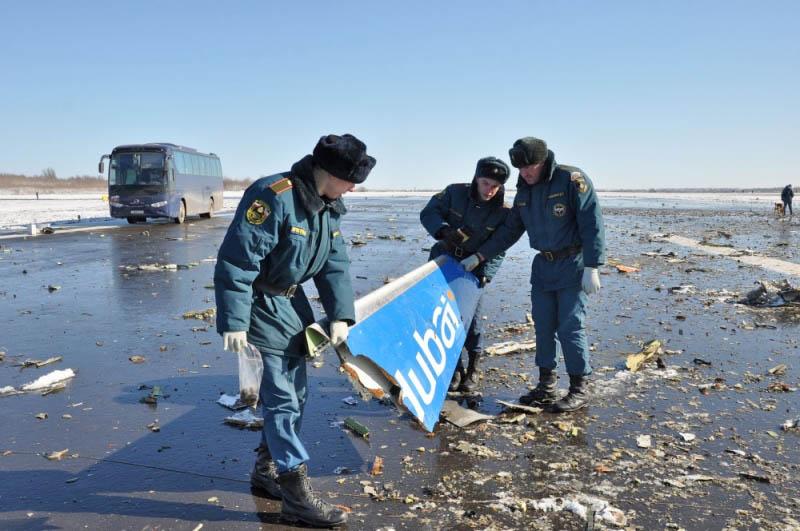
x=18, y=211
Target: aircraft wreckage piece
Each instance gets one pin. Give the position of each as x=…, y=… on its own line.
x=408, y=337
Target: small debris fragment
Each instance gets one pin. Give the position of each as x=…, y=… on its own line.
x=356, y=427
x=57, y=456
x=49, y=380
x=634, y=362
x=377, y=466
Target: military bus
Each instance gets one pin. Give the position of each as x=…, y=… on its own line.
x=162, y=181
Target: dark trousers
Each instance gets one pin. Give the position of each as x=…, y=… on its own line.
x=474, y=341
x=788, y=205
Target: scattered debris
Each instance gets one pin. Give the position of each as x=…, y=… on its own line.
x=621, y=268
x=202, y=315
x=52, y=287
x=350, y=401
x=460, y=416
x=137, y=359
x=57, y=456
x=510, y=347
x=377, y=466
x=778, y=370
x=9, y=390
x=39, y=364
x=475, y=449
x=356, y=427
x=152, y=397
x=231, y=402
x=49, y=380
x=245, y=419
x=643, y=441
x=772, y=294
x=634, y=362
x=519, y=407
x=580, y=505
x=149, y=267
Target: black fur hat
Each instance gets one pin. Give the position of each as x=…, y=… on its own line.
x=527, y=151
x=492, y=168
x=344, y=157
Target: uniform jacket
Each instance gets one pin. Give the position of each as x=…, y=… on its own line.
x=459, y=207
x=557, y=212
x=283, y=233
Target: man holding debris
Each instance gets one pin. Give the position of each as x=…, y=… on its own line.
x=786, y=196
x=557, y=206
x=461, y=218
x=285, y=232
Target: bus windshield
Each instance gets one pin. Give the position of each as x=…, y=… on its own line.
x=137, y=168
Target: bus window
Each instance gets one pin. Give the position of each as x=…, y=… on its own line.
x=177, y=156
x=219, y=168
x=137, y=168
x=206, y=166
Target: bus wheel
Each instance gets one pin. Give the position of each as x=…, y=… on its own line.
x=181, y=214
x=133, y=220
x=210, y=213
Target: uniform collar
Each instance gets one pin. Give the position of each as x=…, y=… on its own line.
x=307, y=189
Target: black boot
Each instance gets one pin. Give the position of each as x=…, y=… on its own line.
x=577, y=397
x=265, y=474
x=470, y=380
x=458, y=376
x=545, y=391
x=301, y=504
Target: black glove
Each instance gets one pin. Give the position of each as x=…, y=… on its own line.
x=448, y=236
x=444, y=233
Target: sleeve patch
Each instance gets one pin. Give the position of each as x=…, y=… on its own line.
x=258, y=212
x=580, y=183
x=281, y=186
x=299, y=230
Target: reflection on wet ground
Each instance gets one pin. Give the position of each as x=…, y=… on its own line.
x=739, y=469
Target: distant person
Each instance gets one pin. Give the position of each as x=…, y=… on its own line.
x=461, y=218
x=37, y=195
x=557, y=206
x=285, y=232
x=786, y=196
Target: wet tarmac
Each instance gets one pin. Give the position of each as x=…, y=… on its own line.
x=739, y=472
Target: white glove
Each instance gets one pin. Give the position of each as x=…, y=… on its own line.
x=591, y=280
x=234, y=341
x=339, y=331
x=471, y=262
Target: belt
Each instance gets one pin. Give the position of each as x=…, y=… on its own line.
x=269, y=289
x=561, y=253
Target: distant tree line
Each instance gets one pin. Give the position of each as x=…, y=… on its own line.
x=48, y=180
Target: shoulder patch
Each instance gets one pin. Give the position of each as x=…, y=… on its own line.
x=580, y=182
x=441, y=194
x=258, y=212
x=281, y=186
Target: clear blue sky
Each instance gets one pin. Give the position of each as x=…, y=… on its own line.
x=638, y=94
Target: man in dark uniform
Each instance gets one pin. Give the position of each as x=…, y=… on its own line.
x=557, y=206
x=786, y=196
x=461, y=218
x=286, y=231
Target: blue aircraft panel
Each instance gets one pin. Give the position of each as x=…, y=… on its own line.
x=417, y=337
